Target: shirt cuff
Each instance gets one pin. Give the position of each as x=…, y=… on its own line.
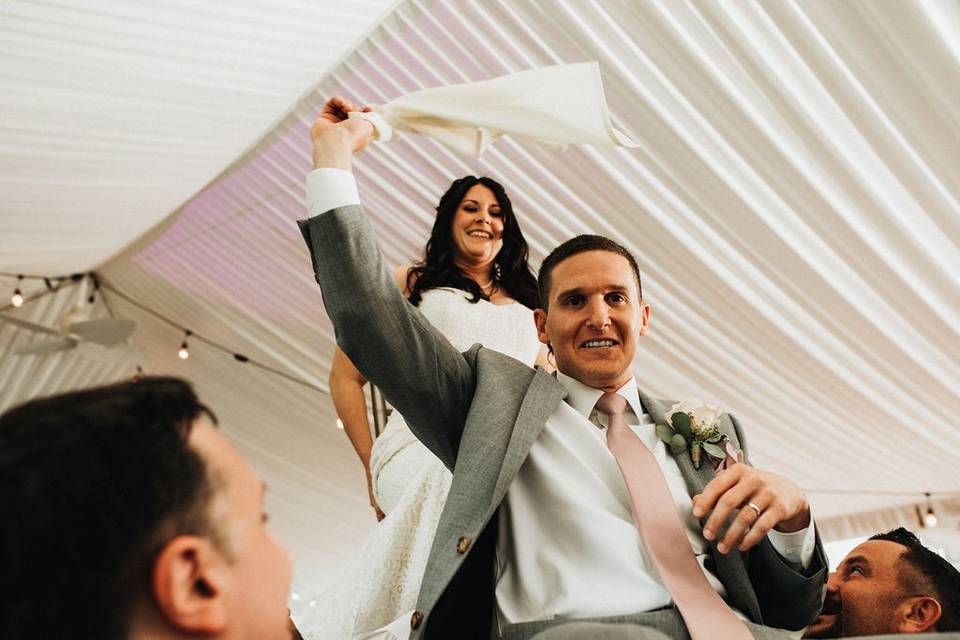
x=330, y=188
x=796, y=547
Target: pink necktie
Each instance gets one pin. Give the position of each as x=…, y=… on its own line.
x=705, y=613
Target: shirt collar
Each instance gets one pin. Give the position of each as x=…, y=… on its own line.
x=583, y=398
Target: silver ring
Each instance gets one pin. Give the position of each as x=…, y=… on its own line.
x=755, y=508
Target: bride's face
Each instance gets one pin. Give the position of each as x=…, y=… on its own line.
x=477, y=226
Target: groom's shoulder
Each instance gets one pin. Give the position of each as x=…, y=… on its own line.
x=490, y=362
x=498, y=359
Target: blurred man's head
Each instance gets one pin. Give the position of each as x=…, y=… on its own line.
x=890, y=584
x=128, y=515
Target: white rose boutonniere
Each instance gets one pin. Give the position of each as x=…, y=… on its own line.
x=694, y=426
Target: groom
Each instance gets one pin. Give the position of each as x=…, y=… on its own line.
x=539, y=528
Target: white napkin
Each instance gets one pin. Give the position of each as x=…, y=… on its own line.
x=558, y=105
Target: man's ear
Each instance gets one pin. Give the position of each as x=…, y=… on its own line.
x=918, y=614
x=644, y=317
x=540, y=319
x=188, y=583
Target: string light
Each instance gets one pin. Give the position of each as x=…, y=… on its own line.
x=17, y=298
x=930, y=520
x=96, y=287
x=54, y=283
x=184, y=352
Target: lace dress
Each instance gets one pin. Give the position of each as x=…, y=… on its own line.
x=410, y=484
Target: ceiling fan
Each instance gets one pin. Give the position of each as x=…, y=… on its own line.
x=96, y=336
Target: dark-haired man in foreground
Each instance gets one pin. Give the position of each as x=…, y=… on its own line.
x=126, y=515
x=539, y=536
x=890, y=584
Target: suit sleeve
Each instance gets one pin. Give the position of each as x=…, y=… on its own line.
x=422, y=375
x=790, y=597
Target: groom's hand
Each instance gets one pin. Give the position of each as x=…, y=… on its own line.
x=335, y=137
x=780, y=502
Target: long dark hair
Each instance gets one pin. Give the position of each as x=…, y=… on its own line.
x=437, y=268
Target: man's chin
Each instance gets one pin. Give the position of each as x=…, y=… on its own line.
x=599, y=377
x=825, y=626
x=601, y=363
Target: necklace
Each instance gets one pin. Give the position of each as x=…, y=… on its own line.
x=484, y=287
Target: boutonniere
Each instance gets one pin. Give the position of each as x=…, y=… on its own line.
x=696, y=427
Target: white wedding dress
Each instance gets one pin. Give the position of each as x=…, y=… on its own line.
x=410, y=484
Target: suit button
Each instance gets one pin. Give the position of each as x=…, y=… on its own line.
x=463, y=544
x=416, y=619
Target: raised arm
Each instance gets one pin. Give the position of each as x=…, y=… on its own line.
x=390, y=342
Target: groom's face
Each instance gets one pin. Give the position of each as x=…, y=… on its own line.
x=594, y=318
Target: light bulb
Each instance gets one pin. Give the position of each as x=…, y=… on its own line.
x=184, y=352
x=17, y=298
x=929, y=520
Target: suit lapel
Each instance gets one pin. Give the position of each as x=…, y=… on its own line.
x=541, y=400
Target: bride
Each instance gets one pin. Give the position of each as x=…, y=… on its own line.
x=474, y=285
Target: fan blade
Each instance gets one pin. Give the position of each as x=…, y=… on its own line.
x=47, y=346
x=28, y=325
x=107, y=331
x=117, y=354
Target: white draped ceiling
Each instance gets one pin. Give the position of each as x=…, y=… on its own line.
x=794, y=203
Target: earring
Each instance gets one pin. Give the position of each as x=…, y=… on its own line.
x=496, y=271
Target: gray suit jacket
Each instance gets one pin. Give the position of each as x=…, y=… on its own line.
x=480, y=412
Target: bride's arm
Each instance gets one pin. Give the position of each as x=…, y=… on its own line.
x=346, y=390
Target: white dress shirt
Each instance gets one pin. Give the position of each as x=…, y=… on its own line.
x=568, y=546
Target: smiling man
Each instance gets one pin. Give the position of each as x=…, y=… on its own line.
x=891, y=584
x=597, y=311
x=567, y=516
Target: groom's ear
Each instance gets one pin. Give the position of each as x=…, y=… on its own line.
x=540, y=320
x=644, y=317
